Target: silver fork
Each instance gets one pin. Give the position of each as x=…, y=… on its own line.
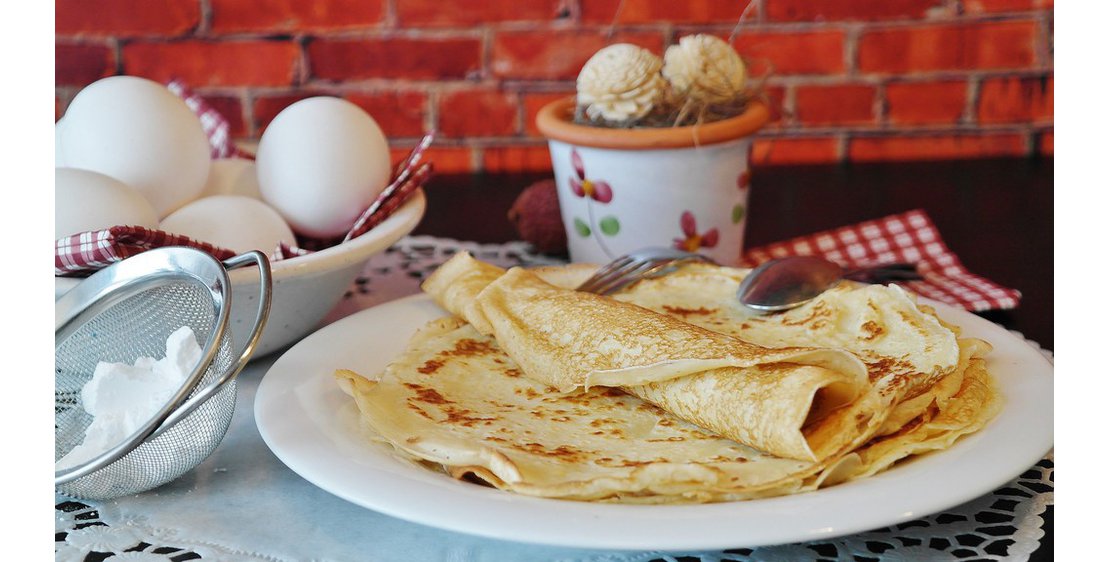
x=632, y=267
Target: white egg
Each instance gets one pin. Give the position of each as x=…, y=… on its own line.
x=321, y=162
x=232, y=176
x=140, y=133
x=234, y=222
x=85, y=200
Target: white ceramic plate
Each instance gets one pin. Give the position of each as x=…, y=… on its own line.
x=313, y=428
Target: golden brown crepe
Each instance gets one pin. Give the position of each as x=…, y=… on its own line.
x=457, y=400
x=941, y=423
x=797, y=402
x=907, y=348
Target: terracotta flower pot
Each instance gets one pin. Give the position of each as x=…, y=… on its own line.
x=625, y=189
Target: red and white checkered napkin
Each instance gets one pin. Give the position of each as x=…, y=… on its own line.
x=906, y=237
x=89, y=251
x=214, y=123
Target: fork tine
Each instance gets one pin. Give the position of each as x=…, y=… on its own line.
x=614, y=276
x=629, y=268
x=631, y=274
x=605, y=273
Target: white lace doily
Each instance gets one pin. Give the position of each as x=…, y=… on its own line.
x=1003, y=525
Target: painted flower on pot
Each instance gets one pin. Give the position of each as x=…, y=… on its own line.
x=592, y=190
x=743, y=183
x=693, y=241
x=597, y=190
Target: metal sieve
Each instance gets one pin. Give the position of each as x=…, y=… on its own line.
x=126, y=311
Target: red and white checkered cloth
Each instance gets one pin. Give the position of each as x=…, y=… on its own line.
x=907, y=237
x=214, y=123
x=89, y=251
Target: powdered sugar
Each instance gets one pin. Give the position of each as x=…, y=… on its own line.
x=121, y=397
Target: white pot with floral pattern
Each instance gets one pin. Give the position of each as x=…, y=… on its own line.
x=625, y=189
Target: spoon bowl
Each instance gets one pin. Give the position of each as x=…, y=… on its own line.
x=785, y=283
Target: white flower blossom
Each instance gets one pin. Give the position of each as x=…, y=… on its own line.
x=704, y=68
x=620, y=83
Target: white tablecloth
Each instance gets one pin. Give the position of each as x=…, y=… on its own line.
x=242, y=503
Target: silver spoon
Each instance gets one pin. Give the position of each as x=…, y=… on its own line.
x=785, y=283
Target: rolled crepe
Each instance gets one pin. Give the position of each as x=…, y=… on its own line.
x=793, y=402
x=454, y=399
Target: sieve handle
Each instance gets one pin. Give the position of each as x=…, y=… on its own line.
x=265, y=290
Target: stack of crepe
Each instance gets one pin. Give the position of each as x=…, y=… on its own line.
x=669, y=391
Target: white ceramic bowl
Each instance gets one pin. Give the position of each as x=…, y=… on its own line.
x=306, y=288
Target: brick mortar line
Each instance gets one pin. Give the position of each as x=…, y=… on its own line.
x=509, y=85
x=669, y=37
x=971, y=101
x=246, y=99
x=378, y=31
x=84, y=37
x=824, y=80
x=821, y=132
x=116, y=48
x=880, y=108
x=1044, y=40
x=204, y=26
x=485, y=142
x=477, y=159
x=913, y=76
x=539, y=86
x=843, y=145
x=867, y=25
x=990, y=73
x=519, y=121
x=386, y=27
x=553, y=24
x=851, y=50
x=73, y=41
x=574, y=8
x=431, y=117
x=383, y=29
x=382, y=86
x=883, y=78
x=1030, y=142
x=302, y=64
x=812, y=134
x=390, y=18
x=430, y=113
x=561, y=26
x=917, y=132
x=789, y=106
x=485, y=55
x=760, y=11
x=837, y=135
x=520, y=117
x=390, y=21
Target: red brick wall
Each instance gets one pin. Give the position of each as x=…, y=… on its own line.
x=853, y=79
